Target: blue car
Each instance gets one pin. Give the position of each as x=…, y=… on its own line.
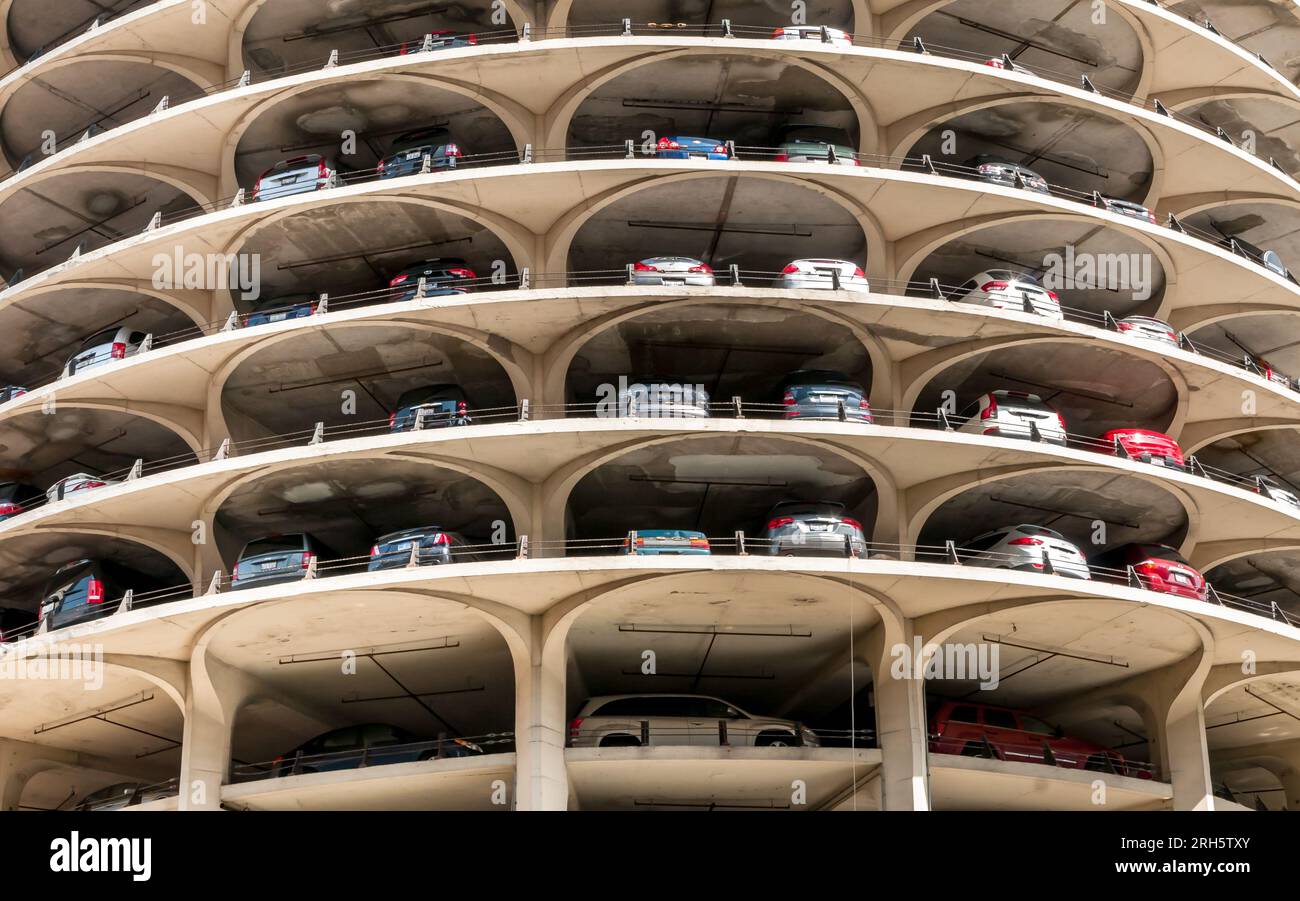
x=407, y=154
x=436, y=546
x=277, y=558
x=436, y=405
x=443, y=276
x=653, y=542
x=278, y=309
x=683, y=148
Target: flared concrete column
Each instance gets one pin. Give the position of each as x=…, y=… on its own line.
x=900, y=723
x=215, y=693
x=541, y=780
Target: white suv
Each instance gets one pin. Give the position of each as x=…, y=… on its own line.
x=616, y=721
x=1024, y=547
x=1013, y=414
x=1003, y=289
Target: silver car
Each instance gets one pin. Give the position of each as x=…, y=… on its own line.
x=1025, y=547
x=822, y=275
x=817, y=529
x=672, y=271
x=1003, y=289
x=82, y=481
x=1149, y=329
x=116, y=343
x=667, y=719
x=662, y=397
x=1013, y=414
x=300, y=175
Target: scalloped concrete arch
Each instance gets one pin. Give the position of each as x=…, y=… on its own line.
x=201, y=187
x=178, y=299
x=1199, y=434
x=184, y=422
x=174, y=545
x=559, y=238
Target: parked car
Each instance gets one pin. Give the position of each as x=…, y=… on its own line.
x=681, y=147
x=1013, y=414
x=17, y=497
x=814, y=144
x=1124, y=208
x=1145, y=446
x=662, y=397
x=822, y=275
x=672, y=271
x=116, y=343
x=1024, y=547
x=277, y=558
x=1001, y=171
x=406, y=156
x=82, y=590
x=435, y=406
x=1158, y=566
x=813, y=529
x=370, y=744
x=833, y=36
x=615, y=721
x=436, y=546
x=299, y=175
x=980, y=730
x=823, y=394
x=1272, y=490
x=997, y=62
x=1149, y=329
x=82, y=481
x=1269, y=259
x=278, y=309
x=440, y=40
x=1003, y=289
x=15, y=623
x=443, y=276
x=10, y=392
x=653, y=542
x=126, y=794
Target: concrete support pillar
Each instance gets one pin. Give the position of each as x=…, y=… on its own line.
x=542, y=780
x=215, y=693
x=21, y=760
x=900, y=723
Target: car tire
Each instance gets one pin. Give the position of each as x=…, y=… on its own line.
x=620, y=741
x=776, y=740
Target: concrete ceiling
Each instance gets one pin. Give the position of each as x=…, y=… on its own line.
x=33, y=24
x=1267, y=710
x=1263, y=578
x=1268, y=27
x=757, y=224
x=42, y=448
x=1056, y=36
x=1273, y=127
x=1271, y=337
x=767, y=13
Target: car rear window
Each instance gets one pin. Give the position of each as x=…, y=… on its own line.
x=1000, y=719
x=275, y=544
x=1160, y=552
x=98, y=338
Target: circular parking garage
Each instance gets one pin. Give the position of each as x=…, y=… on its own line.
x=757, y=103
x=1094, y=511
x=691, y=15
x=1060, y=38
x=1252, y=731
x=1070, y=147
x=1263, y=127
x=1095, y=389
x=728, y=350
x=50, y=328
x=358, y=247
x=53, y=111
x=358, y=123
x=300, y=33
x=352, y=378
x=1093, y=269
x=426, y=670
x=41, y=226
x=43, y=447
x=715, y=485
x=756, y=224
x=345, y=505
x=781, y=659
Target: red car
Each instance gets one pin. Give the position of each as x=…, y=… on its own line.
x=1158, y=566
x=978, y=730
x=1146, y=446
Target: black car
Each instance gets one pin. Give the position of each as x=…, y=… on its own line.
x=15, y=497
x=443, y=276
x=370, y=744
x=88, y=589
x=434, y=405
x=436, y=545
x=277, y=558
x=1002, y=171
x=406, y=156
x=10, y=392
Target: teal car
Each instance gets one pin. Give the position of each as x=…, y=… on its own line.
x=813, y=144
x=650, y=542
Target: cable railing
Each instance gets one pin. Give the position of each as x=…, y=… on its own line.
x=444, y=747
x=1048, y=558
x=1013, y=746
x=435, y=41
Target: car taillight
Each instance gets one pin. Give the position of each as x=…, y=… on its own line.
x=789, y=399
x=1052, y=294
x=1147, y=567
x=574, y=726
x=642, y=267
x=307, y=557
x=780, y=521
x=380, y=167
x=1124, y=326
x=990, y=411
x=374, y=550
x=392, y=419
x=720, y=148
x=703, y=267
x=397, y=280
x=10, y=509
x=462, y=273
x=95, y=592
x=858, y=273
x=790, y=269
x=669, y=144
x=988, y=287
x=778, y=33
x=782, y=157
x=699, y=542
x=1061, y=419
x=322, y=170
x=852, y=523
x=472, y=39
x=118, y=351
x=461, y=408
x=234, y=573
x=451, y=150
x=1021, y=542
x=441, y=538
